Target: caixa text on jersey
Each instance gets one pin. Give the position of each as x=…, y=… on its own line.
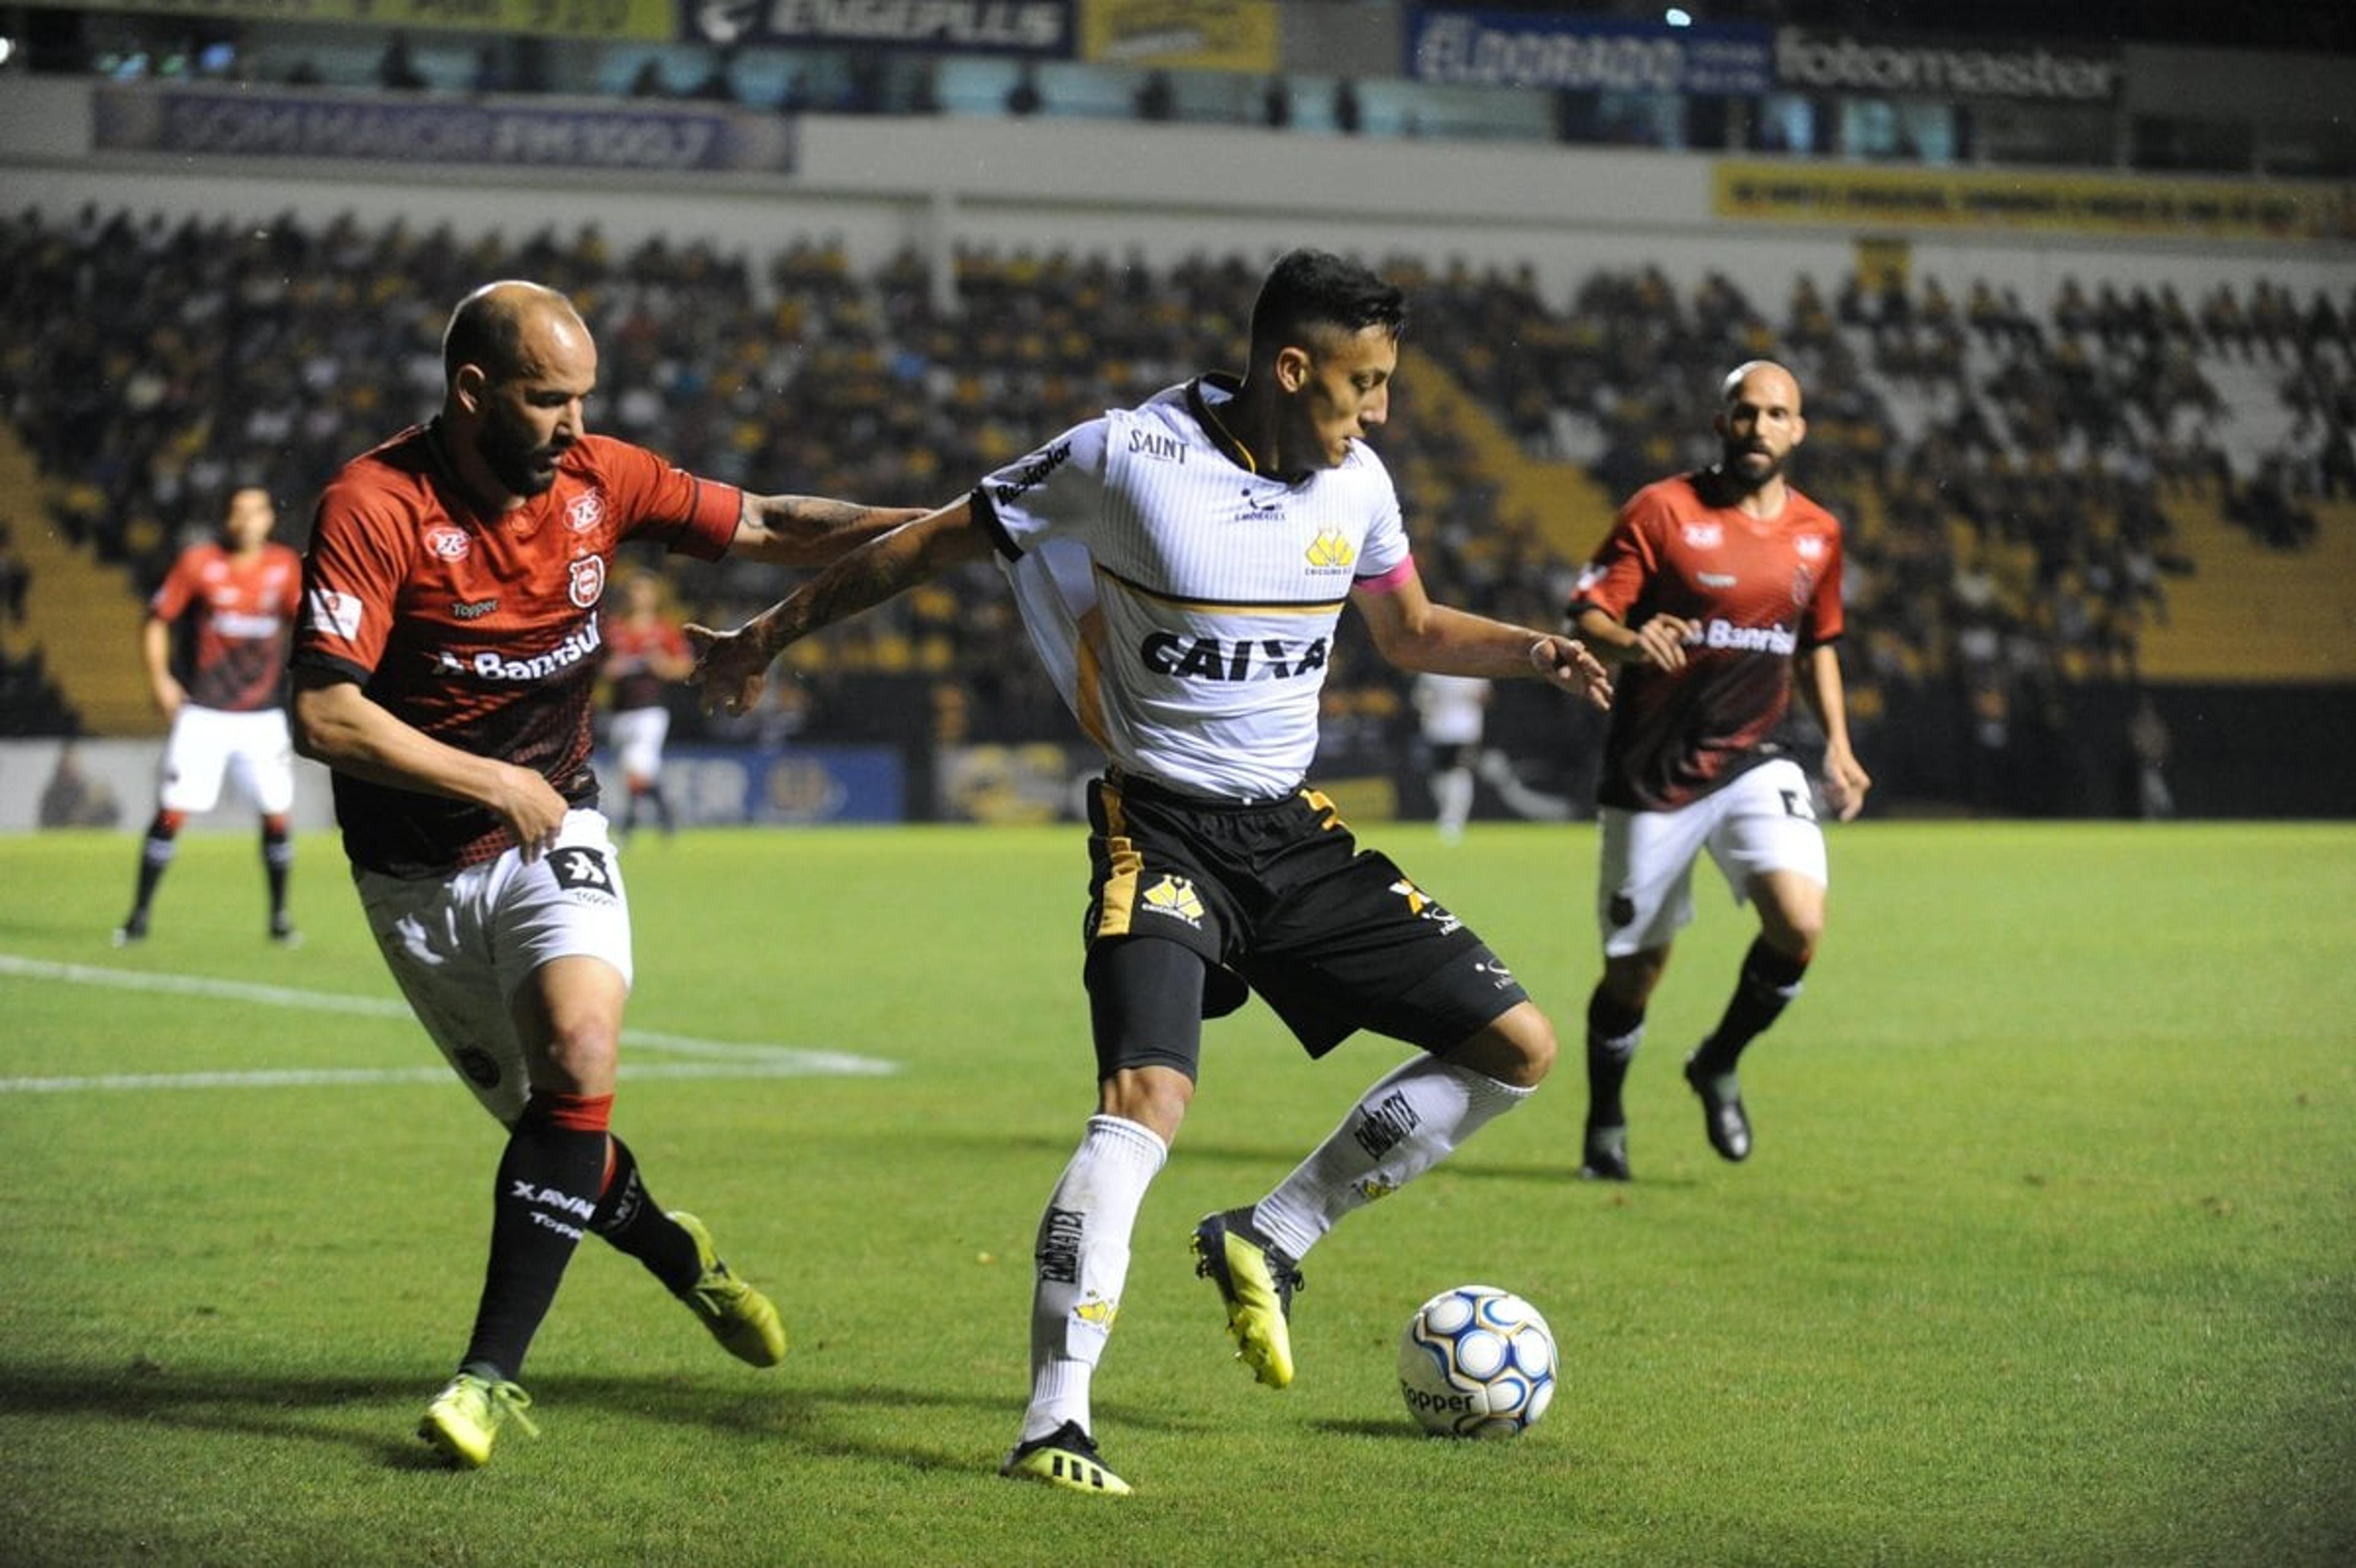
x=1214, y=658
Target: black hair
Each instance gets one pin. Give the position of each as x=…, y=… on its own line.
x=1308, y=291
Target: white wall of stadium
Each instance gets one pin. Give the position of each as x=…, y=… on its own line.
x=1167, y=191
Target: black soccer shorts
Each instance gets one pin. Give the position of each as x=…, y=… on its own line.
x=1276, y=896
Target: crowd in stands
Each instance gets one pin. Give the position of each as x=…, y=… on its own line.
x=2007, y=471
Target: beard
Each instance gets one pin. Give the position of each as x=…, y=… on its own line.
x=1747, y=466
x=525, y=467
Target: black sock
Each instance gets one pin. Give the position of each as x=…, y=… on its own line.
x=634, y=1224
x=1615, y=1030
x=155, y=857
x=547, y=1191
x=1769, y=981
x=277, y=860
x=662, y=807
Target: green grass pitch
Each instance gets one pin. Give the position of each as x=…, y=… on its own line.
x=2047, y=1254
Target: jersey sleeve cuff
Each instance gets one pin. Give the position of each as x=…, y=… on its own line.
x=985, y=512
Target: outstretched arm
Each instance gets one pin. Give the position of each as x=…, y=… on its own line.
x=810, y=530
x=1413, y=633
x=732, y=666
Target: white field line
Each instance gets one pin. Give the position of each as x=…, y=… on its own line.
x=720, y=1059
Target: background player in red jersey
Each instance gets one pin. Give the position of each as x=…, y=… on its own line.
x=643, y=653
x=444, y=668
x=236, y=598
x=1713, y=590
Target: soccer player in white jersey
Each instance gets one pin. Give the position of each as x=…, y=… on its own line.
x=1181, y=567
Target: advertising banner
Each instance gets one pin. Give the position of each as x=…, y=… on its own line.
x=652, y=21
x=271, y=123
x=1194, y=35
x=1041, y=29
x=2081, y=204
x=1490, y=49
x=1833, y=63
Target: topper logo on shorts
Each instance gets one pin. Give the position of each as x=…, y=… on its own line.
x=582, y=872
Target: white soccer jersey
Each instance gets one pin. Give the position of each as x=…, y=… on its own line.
x=1184, y=605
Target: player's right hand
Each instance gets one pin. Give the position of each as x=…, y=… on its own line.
x=532, y=810
x=730, y=667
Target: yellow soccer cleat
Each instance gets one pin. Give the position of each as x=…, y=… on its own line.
x=1256, y=1279
x=1065, y=1457
x=742, y=1319
x=464, y=1418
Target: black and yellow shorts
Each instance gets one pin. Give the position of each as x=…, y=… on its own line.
x=1276, y=896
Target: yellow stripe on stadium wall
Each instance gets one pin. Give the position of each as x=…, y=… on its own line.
x=652, y=21
x=1194, y=34
x=2274, y=211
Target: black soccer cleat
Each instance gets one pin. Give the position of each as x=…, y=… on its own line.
x=1065, y=1457
x=1723, y=1116
x=1603, y=1155
x=132, y=930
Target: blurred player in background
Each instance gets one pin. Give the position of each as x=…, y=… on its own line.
x=1450, y=710
x=446, y=670
x=1181, y=567
x=1712, y=591
x=235, y=598
x=644, y=652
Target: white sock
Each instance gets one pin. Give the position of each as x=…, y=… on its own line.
x=1453, y=795
x=1408, y=1122
x=1081, y=1259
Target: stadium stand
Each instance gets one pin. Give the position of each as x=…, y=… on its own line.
x=2096, y=488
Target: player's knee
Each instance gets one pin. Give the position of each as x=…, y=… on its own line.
x=1153, y=1098
x=1518, y=1049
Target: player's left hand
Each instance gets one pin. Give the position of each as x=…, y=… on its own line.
x=1845, y=783
x=1565, y=662
x=732, y=667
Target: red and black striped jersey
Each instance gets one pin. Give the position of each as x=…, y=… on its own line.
x=240, y=612
x=481, y=629
x=1761, y=591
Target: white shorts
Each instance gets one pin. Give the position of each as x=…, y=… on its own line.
x=208, y=743
x=636, y=735
x=461, y=947
x=1763, y=821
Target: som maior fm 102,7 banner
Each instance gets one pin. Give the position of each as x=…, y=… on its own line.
x=649, y=21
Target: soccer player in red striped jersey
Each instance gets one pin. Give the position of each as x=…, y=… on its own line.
x=644, y=652
x=236, y=599
x=1713, y=592
x=444, y=668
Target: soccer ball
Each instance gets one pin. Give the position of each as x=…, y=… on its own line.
x=1476, y=1361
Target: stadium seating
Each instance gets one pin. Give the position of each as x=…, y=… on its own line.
x=2036, y=494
